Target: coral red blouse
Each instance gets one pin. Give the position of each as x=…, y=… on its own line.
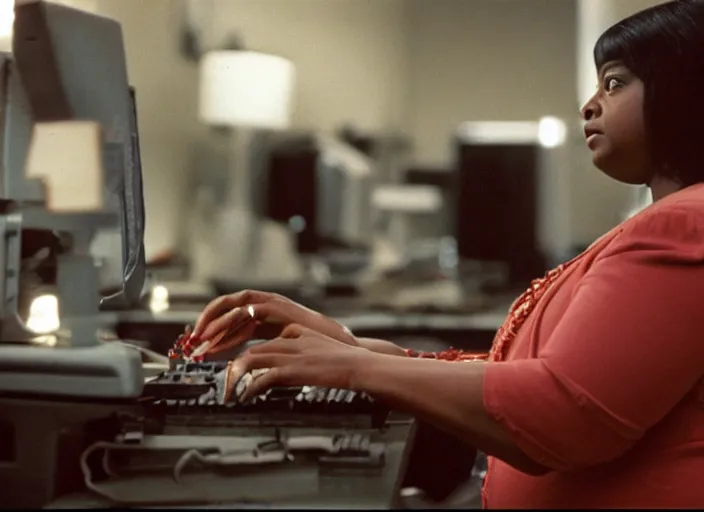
x=603, y=383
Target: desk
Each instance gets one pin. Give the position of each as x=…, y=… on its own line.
x=305, y=488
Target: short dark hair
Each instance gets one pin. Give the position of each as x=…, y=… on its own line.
x=664, y=47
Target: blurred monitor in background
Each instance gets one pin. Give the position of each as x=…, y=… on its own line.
x=497, y=201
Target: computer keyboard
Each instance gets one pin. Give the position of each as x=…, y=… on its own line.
x=197, y=389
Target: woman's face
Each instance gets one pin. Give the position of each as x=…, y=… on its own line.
x=615, y=127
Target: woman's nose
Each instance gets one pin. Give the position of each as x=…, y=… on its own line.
x=591, y=109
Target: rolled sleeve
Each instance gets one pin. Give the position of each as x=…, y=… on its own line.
x=628, y=349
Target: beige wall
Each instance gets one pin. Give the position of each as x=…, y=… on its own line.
x=350, y=55
x=423, y=66
x=623, y=8
x=487, y=60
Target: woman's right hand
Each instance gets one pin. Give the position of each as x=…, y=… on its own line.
x=262, y=315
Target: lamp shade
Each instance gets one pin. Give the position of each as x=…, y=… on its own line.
x=7, y=17
x=251, y=89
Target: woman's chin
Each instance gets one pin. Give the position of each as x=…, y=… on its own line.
x=620, y=173
x=601, y=162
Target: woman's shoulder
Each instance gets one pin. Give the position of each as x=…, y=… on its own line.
x=673, y=224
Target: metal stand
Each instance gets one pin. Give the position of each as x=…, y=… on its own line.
x=77, y=363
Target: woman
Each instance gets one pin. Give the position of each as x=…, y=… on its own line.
x=594, y=392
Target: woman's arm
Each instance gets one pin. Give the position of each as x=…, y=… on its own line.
x=445, y=394
x=391, y=349
x=624, y=354
x=381, y=346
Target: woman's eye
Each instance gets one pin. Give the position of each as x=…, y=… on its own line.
x=612, y=83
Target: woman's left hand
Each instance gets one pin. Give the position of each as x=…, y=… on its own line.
x=300, y=357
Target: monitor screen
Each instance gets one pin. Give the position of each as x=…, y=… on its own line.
x=496, y=207
x=130, y=273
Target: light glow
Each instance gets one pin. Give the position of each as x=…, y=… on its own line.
x=552, y=132
x=159, y=299
x=252, y=89
x=44, y=314
x=7, y=18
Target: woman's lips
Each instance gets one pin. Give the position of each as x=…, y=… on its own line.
x=593, y=139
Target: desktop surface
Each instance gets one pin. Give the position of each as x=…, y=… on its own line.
x=304, y=486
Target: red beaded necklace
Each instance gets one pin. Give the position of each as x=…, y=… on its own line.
x=519, y=312
x=521, y=309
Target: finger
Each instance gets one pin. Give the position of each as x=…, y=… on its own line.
x=226, y=354
x=239, y=367
x=232, y=342
x=230, y=320
x=287, y=375
x=284, y=311
x=213, y=310
x=275, y=312
x=293, y=331
x=287, y=346
x=278, y=310
x=225, y=303
x=325, y=325
x=253, y=331
x=229, y=324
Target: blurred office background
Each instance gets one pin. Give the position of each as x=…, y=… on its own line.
x=393, y=104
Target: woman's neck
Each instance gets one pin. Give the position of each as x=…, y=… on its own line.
x=661, y=186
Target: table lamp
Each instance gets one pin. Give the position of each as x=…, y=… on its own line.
x=246, y=89
x=251, y=93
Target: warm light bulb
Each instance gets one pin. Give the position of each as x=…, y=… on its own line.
x=44, y=315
